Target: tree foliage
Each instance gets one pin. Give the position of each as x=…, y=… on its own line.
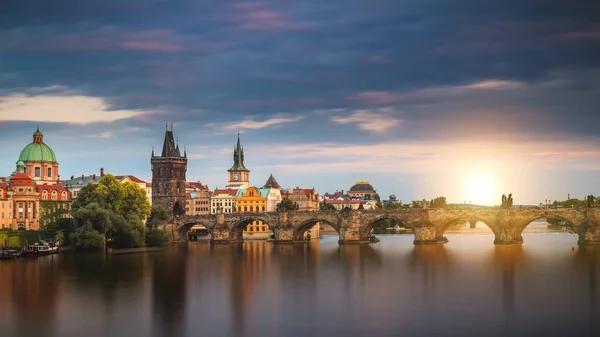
x=287, y=204
x=86, y=239
x=158, y=216
x=94, y=217
x=156, y=237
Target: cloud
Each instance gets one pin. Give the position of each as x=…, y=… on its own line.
x=258, y=16
x=369, y=121
x=254, y=125
x=61, y=109
x=101, y=39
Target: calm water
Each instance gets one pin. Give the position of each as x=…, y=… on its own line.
x=466, y=287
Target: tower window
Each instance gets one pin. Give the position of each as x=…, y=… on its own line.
x=49, y=172
x=37, y=172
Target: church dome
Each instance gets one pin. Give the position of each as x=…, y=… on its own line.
x=361, y=186
x=37, y=151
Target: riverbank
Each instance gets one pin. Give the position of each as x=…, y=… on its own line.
x=114, y=251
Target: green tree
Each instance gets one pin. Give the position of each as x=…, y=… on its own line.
x=95, y=217
x=417, y=204
x=87, y=195
x=156, y=237
x=158, y=216
x=378, y=205
x=328, y=207
x=286, y=204
x=439, y=202
x=123, y=199
x=87, y=239
x=128, y=234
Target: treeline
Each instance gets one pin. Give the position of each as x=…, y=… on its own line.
x=439, y=202
x=112, y=213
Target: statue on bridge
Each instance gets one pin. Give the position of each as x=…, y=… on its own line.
x=590, y=201
x=507, y=202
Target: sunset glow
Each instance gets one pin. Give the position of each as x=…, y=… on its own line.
x=482, y=189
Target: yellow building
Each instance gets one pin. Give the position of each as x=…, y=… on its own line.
x=253, y=200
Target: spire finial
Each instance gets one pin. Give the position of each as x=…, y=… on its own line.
x=38, y=128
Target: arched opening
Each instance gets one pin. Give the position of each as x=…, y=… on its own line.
x=252, y=228
x=198, y=233
x=193, y=231
x=467, y=226
x=388, y=225
x=314, y=229
x=543, y=226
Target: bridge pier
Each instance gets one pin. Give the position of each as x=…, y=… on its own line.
x=508, y=235
x=428, y=235
x=352, y=235
x=220, y=235
x=589, y=236
x=473, y=223
x=284, y=235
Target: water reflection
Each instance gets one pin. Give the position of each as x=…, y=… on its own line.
x=319, y=288
x=169, y=280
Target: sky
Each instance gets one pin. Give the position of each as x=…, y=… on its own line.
x=466, y=99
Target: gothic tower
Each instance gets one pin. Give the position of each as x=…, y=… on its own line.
x=239, y=175
x=168, y=176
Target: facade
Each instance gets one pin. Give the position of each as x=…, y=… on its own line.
x=254, y=200
x=361, y=189
x=55, y=204
x=23, y=202
x=307, y=199
x=168, y=176
x=238, y=174
x=351, y=203
x=39, y=161
x=223, y=201
x=197, y=202
x=273, y=194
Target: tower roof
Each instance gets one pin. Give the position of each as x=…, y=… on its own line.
x=169, y=148
x=271, y=182
x=238, y=157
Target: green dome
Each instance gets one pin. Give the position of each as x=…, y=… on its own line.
x=37, y=152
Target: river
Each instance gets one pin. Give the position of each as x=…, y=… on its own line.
x=546, y=287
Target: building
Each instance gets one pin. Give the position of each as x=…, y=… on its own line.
x=393, y=200
x=39, y=161
x=254, y=200
x=361, y=189
x=351, y=203
x=273, y=194
x=238, y=174
x=307, y=199
x=168, y=176
x=75, y=184
x=26, y=205
x=55, y=204
x=198, y=201
x=223, y=201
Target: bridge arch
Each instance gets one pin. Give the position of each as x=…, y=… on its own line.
x=465, y=218
x=371, y=223
x=187, y=224
x=236, y=232
x=309, y=223
x=570, y=222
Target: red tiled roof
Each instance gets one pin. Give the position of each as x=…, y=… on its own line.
x=132, y=178
x=20, y=178
x=49, y=188
x=148, y=184
x=339, y=202
x=229, y=191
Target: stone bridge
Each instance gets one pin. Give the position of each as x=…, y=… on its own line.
x=428, y=225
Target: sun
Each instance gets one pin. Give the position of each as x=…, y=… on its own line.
x=481, y=189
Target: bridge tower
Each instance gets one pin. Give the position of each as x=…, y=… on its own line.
x=168, y=176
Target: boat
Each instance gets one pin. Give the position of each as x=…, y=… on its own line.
x=6, y=254
x=41, y=248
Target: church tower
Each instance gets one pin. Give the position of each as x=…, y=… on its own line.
x=239, y=175
x=168, y=176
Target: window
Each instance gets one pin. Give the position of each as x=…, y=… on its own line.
x=37, y=172
x=49, y=172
